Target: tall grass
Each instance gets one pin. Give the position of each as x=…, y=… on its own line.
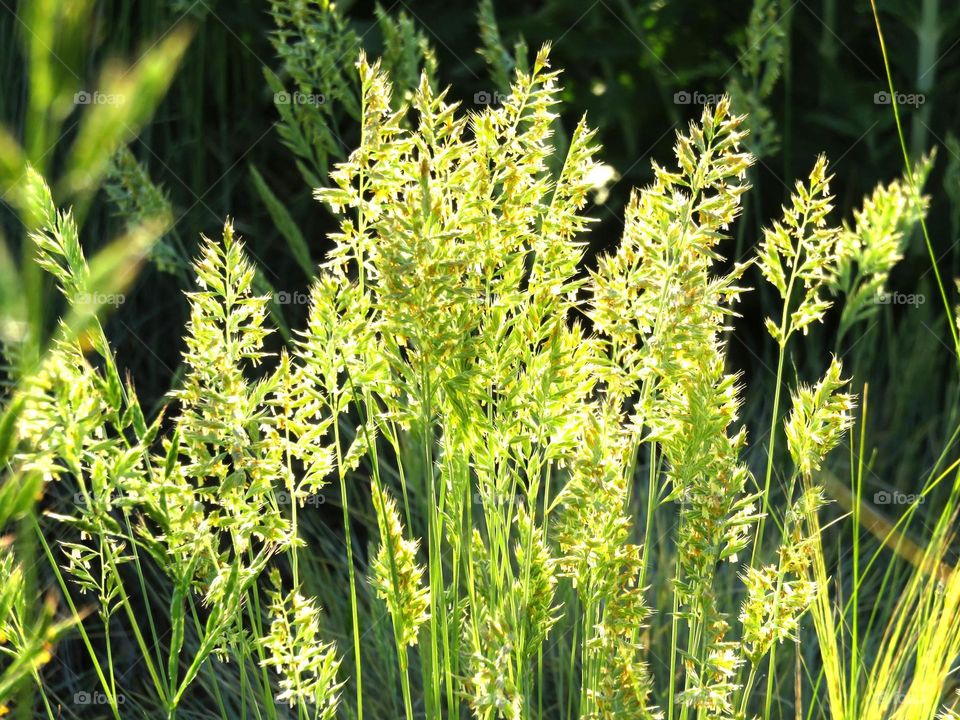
x=542, y=501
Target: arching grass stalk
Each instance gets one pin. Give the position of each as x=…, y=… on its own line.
x=797, y=255
x=111, y=698
x=351, y=565
x=951, y=324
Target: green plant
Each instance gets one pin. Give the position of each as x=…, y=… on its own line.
x=536, y=440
